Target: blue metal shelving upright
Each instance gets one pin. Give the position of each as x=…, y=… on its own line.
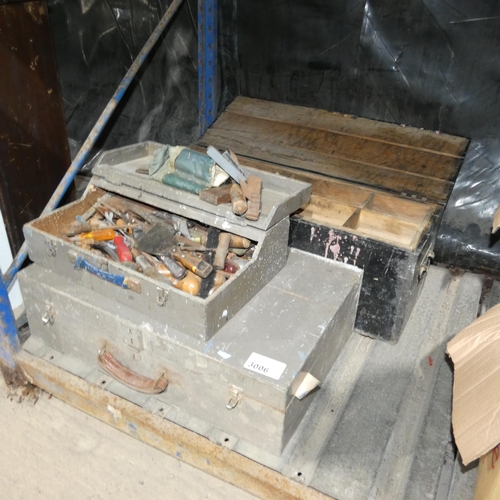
x=207, y=63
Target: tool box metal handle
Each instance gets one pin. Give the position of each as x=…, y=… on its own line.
x=128, y=377
x=115, y=279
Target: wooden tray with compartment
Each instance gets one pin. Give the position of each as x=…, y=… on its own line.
x=378, y=193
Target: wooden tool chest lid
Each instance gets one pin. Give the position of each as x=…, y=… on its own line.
x=397, y=159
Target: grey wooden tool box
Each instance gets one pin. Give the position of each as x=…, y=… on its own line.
x=116, y=172
x=244, y=379
x=378, y=193
x=243, y=359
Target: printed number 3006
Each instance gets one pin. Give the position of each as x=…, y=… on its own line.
x=259, y=368
x=265, y=366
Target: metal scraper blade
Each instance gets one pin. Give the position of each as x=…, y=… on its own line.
x=158, y=240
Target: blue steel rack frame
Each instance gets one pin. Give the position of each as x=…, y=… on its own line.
x=207, y=63
x=207, y=76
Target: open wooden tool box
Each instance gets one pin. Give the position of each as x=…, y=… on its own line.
x=244, y=357
x=378, y=193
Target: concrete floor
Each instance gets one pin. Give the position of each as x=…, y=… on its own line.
x=50, y=450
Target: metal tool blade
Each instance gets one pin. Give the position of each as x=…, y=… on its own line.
x=158, y=240
x=227, y=163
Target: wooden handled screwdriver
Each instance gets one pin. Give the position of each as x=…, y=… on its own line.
x=97, y=235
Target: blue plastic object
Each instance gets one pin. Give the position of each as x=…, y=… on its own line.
x=9, y=339
x=115, y=279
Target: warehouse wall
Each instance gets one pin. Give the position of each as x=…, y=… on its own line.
x=424, y=63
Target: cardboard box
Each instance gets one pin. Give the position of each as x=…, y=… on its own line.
x=475, y=352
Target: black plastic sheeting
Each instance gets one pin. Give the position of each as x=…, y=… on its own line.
x=430, y=64
x=464, y=239
x=96, y=42
x=425, y=63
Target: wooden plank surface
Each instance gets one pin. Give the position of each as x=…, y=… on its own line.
x=386, y=156
x=34, y=150
x=332, y=146
x=389, y=133
x=327, y=187
x=395, y=181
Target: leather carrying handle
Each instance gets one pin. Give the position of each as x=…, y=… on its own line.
x=128, y=377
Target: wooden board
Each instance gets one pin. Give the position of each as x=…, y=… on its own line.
x=488, y=476
x=391, y=157
x=389, y=133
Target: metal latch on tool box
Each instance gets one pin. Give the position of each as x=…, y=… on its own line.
x=162, y=296
x=51, y=248
x=49, y=316
x=133, y=338
x=426, y=262
x=234, y=398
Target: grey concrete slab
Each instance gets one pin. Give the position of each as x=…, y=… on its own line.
x=429, y=472
x=372, y=453
x=463, y=480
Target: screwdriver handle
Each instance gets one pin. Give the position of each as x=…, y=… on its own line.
x=178, y=271
x=238, y=201
x=97, y=235
x=147, y=268
x=190, y=283
x=123, y=251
